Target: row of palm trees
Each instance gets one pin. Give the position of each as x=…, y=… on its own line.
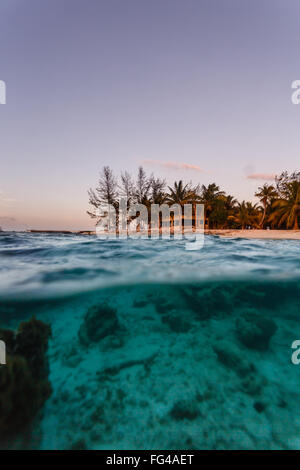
x=278, y=206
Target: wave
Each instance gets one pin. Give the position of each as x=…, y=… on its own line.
x=46, y=265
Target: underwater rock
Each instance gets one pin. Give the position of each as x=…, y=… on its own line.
x=31, y=342
x=253, y=384
x=24, y=384
x=140, y=303
x=259, y=406
x=71, y=355
x=112, y=342
x=176, y=323
x=255, y=331
x=162, y=305
x=184, y=409
x=208, y=301
x=232, y=358
x=100, y=321
x=80, y=444
x=8, y=336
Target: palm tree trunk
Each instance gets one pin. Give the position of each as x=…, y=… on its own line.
x=263, y=217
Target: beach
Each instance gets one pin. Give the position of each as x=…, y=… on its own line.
x=228, y=233
x=257, y=234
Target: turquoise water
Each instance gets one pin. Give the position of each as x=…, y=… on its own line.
x=156, y=347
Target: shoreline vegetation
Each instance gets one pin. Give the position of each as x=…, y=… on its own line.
x=278, y=206
x=276, y=216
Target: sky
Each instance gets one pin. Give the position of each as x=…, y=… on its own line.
x=196, y=90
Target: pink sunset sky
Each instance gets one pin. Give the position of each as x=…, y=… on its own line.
x=197, y=90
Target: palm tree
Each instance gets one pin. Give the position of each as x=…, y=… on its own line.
x=266, y=194
x=287, y=209
x=230, y=202
x=247, y=214
x=209, y=194
x=180, y=193
x=222, y=208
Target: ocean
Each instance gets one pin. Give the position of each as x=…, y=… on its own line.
x=152, y=346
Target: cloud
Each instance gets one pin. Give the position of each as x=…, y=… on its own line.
x=174, y=165
x=261, y=176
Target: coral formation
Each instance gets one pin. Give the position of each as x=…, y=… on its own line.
x=99, y=321
x=259, y=406
x=255, y=331
x=208, y=301
x=24, y=384
x=232, y=358
x=31, y=342
x=194, y=389
x=176, y=323
x=184, y=409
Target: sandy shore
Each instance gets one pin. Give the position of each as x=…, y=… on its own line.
x=230, y=233
x=258, y=234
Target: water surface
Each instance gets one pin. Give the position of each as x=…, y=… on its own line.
x=156, y=347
